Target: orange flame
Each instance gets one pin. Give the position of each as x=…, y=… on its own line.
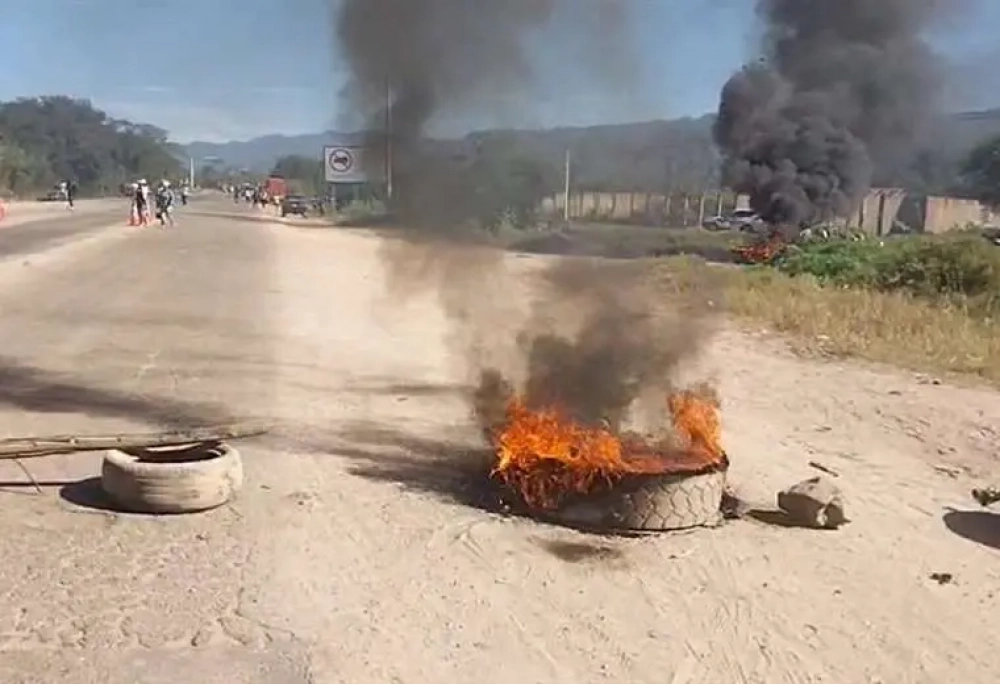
x=761, y=252
x=545, y=457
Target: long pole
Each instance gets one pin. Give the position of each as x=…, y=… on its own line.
x=566, y=187
x=388, y=138
x=191, y=172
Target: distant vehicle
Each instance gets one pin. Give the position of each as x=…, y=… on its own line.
x=276, y=188
x=295, y=204
x=742, y=220
x=52, y=196
x=992, y=235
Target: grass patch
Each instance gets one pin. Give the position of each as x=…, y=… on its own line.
x=896, y=326
x=960, y=270
x=360, y=213
x=624, y=241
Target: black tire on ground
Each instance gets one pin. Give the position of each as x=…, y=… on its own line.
x=181, y=479
x=671, y=502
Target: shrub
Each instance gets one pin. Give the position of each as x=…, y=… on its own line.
x=837, y=262
x=963, y=265
x=962, y=268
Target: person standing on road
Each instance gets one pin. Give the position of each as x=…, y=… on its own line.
x=141, y=200
x=132, y=191
x=147, y=200
x=71, y=190
x=165, y=203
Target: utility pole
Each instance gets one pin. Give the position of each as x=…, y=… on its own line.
x=191, y=172
x=388, y=139
x=566, y=187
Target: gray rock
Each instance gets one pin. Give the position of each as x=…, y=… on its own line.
x=987, y=496
x=815, y=502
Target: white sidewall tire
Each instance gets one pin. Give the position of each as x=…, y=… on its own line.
x=148, y=486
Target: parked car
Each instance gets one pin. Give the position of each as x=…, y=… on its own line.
x=52, y=196
x=743, y=220
x=296, y=205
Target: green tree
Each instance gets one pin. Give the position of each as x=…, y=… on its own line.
x=20, y=172
x=50, y=138
x=509, y=190
x=981, y=172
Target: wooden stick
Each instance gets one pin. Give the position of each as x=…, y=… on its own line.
x=15, y=448
x=31, y=478
x=826, y=469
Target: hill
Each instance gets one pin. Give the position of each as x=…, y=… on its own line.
x=649, y=155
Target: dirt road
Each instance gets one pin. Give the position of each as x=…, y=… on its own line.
x=348, y=557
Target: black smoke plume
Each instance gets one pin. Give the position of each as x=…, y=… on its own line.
x=444, y=58
x=842, y=86
x=424, y=60
x=429, y=61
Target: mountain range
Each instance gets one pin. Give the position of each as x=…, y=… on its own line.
x=631, y=155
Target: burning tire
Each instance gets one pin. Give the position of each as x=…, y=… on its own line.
x=177, y=479
x=651, y=503
x=595, y=478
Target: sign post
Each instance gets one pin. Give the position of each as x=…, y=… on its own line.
x=345, y=164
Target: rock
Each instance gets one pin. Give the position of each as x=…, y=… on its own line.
x=987, y=496
x=815, y=502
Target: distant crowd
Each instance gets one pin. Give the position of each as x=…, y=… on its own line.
x=257, y=195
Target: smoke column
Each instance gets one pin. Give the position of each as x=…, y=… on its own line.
x=447, y=57
x=842, y=86
x=432, y=57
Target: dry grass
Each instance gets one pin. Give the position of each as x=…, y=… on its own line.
x=885, y=327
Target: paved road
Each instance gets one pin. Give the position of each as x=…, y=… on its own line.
x=126, y=330
x=350, y=557
x=35, y=236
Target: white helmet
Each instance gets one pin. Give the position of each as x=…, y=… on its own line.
x=142, y=181
x=165, y=183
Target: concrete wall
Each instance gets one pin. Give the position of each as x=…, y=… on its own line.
x=875, y=216
x=942, y=214
x=878, y=211
x=881, y=208
x=642, y=207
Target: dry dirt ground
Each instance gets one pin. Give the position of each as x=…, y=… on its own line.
x=349, y=557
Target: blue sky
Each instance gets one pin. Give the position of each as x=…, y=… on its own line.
x=221, y=70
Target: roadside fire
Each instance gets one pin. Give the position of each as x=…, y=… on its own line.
x=761, y=252
x=547, y=459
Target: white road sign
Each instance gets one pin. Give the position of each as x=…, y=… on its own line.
x=345, y=164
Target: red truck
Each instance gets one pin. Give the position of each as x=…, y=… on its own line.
x=276, y=188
